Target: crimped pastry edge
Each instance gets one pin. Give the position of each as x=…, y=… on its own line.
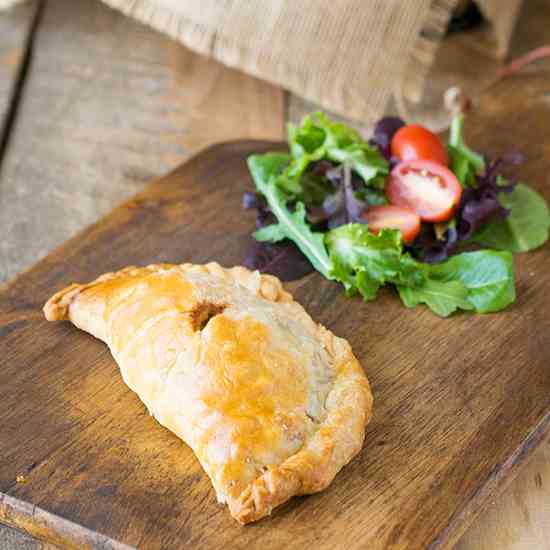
x=337, y=440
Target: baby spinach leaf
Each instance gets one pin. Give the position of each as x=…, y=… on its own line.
x=443, y=298
x=487, y=274
x=524, y=229
x=482, y=281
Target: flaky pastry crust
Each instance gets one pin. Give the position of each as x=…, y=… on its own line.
x=273, y=404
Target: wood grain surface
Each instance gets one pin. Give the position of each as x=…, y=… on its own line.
x=15, y=35
x=520, y=518
x=108, y=105
x=517, y=519
x=459, y=403
x=105, y=104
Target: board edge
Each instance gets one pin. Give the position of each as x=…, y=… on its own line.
x=496, y=482
x=40, y=524
x=51, y=528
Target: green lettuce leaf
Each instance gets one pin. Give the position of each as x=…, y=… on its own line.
x=291, y=225
x=464, y=162
x=443, y=298
x=487, y=274
x=364, y=262
x=482, y=281
x=524, y=229
x=318, y=137
x=264, y=167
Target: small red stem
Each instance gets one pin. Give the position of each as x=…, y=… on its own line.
x=518, y=64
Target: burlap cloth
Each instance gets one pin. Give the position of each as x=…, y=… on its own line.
x=349, y=56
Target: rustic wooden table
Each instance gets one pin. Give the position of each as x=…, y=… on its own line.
x=93, y=105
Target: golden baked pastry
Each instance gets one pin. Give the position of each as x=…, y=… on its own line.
x=272, y=404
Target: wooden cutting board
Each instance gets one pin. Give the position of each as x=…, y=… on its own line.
x=459, y=403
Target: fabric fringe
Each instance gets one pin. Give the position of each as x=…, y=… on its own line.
x=360, y=92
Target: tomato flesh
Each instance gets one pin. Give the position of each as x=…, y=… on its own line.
x=393, y=217
x=413, y=142
x=427, y=188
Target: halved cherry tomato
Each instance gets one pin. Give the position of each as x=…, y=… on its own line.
x=393, y=217
x=415, y=142
x=430, y=189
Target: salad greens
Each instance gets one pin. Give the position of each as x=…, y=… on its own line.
x=465, y=163
x=524, y=229
x=297, y=188
x=363, y=262
x=499, y=215
x=291, y=225
x=482, y=281
x=319, y=138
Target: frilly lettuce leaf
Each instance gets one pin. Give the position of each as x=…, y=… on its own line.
x=318, y=138
x=482, y=281
x=363, y=261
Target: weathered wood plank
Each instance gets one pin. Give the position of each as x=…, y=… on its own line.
x=518, y=514
x=520, y=518
x=108, y=105
x=15, y=27
x=12, y=539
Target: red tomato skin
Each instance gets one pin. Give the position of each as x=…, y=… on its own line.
x=414, y=142
x=408, y=221
x=398, y=192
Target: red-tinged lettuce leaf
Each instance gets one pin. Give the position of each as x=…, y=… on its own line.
x=478, y=207
x=346, y=202
x=343, y=206
x=384, y=130
x=264, y=216
x=283, y=259
x=482, y=204
x=430, y=248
